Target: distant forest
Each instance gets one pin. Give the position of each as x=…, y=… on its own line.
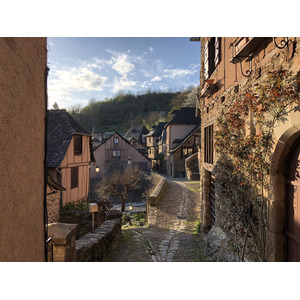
x=124, y=110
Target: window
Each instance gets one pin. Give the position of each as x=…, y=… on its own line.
x=77, y=144
x=208, y=145
x=74, y=177
x=116, y=140
x=116, y=154
x=186, y=152
x=212, y=53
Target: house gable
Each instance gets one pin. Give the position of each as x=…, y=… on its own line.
x=109, y=152
x=61, y=127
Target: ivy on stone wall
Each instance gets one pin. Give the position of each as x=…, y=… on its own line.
x=244, y=142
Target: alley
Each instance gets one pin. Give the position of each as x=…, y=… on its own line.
x=171, y=235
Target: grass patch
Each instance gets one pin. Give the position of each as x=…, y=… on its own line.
x=126, y=237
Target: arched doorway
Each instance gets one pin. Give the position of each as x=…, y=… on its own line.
x=292, y=228
x=276, y=244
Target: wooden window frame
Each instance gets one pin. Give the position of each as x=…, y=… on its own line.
x=74, y=177
x=212, y=56
x=77, y=144
x=209, y=144
x=115, y=154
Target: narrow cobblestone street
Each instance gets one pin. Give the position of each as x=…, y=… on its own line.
x=171, y=232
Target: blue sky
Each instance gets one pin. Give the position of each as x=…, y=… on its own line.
x=85, y=68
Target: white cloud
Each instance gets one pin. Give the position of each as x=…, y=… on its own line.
x=65, y=83
x=122, y=65
x=80, y=79
x=151, y=49
x=172, y=73
x=122, y=84
x=156, y=78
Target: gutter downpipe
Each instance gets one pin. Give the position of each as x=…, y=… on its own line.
x=45, y=168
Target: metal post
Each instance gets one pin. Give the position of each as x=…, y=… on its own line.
x=93, y=224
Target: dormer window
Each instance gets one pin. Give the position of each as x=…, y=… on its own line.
x=77, y=144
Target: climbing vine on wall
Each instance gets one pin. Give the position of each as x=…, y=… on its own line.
x=244, y=142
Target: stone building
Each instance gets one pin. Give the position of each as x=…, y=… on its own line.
x=182, y=124
x=152, y=140
x=183, y=149
x=139, y=132
x=23, y=86
x=234, y=71
x=142, y=148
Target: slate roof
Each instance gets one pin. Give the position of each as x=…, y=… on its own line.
x=186, y=116
x=177, y=141
x=157, y=130
x=163, y=137
x=137, y=132
x=134, y=139
x=61, y=127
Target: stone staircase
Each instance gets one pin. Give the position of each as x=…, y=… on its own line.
x=192, y=168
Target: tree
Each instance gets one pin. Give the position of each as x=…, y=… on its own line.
x=191, y=98
x=121, y=180
x=55, y=105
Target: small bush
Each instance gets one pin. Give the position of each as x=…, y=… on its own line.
x=80, y=205
x=198, y=227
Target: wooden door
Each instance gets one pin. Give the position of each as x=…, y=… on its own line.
x=293, y=205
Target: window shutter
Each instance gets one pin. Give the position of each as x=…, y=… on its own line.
x=77, y=144
x=205, y=66
x=217, y=50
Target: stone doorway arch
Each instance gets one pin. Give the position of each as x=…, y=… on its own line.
x=275, y=243
x=292, y=229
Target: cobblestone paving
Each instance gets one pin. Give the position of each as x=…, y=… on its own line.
x=170, y=236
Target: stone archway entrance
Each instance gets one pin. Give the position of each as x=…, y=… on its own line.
x=276, y=246
x=292, y=228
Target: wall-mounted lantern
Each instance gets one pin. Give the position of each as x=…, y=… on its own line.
x=97, y=169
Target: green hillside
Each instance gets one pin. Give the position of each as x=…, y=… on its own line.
x=125, y=110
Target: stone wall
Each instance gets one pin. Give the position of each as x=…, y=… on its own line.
x=53, y=205
x=83, y=219
x=218, y=247
x=63, y=239
x=192, y=167
x=158, y=191
x=229, y=83
x=96, y=245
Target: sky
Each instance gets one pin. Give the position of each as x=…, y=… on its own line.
x=101, y=67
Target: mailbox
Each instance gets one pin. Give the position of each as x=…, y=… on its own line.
x=93, y=207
